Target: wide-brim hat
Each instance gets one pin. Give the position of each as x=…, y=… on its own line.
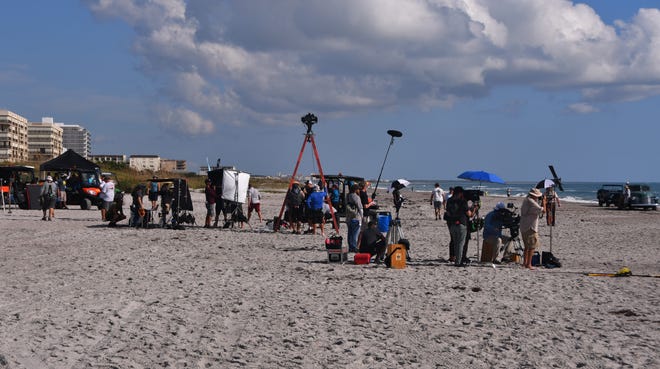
x=535, y=192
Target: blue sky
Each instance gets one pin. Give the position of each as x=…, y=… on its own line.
x=508, y=86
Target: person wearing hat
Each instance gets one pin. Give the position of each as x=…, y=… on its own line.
x=315, y=207
x=493, y=224
x=530, y=211
x=48, y=195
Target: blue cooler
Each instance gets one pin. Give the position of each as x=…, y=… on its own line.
x=384, y=219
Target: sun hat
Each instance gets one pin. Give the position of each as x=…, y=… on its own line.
x=49, y=179
x=535, y=192
x=499, y=206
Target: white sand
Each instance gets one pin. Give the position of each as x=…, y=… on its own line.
x=76, y=294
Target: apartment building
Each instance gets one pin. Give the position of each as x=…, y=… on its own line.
x=44, y=140
x=173, y=166
x=13, y=137
x=106, y=158
x=75, y=138
x=144, y=162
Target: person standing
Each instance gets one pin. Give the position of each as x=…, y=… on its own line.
x=49, y=194
x=153, y=193
x=551, y=203
x=294, y=203
x=354, y=213
x=61, y=185
x=437, y=198
x=254, y=202
x=209, y=191
x=457, y=217
x=137, y=208
x=529, y=222
x=107, y=195
x=315, y=206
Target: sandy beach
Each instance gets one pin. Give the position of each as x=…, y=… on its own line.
x=77, y=294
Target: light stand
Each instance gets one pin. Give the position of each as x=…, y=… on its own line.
x=393, y=133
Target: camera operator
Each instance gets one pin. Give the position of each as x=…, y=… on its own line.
x=457, y=215
x=493, y=224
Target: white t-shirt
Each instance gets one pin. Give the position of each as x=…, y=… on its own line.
x=107, y=191
x=255, y=197
x=438, y=194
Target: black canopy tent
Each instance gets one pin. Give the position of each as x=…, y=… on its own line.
x=67, y=161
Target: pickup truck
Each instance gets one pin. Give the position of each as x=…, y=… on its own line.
x=610, y=194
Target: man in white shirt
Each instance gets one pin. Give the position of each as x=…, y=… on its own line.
x=107, y=195
x=254, y=202
x=437, y=198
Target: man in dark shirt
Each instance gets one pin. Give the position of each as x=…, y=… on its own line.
x=458, y=214
x=373, y=241
x=209, y=191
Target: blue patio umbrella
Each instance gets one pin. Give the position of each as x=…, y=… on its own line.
x=481, y=176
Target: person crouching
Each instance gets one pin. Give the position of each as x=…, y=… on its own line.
x=373, y=242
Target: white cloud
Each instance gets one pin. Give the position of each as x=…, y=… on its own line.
x=266, y=61
x=184, y=121
x=582, y=108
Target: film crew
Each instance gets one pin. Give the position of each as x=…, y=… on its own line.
x=48, y=197
x=368, y=205
x=61, y=184
x=307, y=190
x=254, y=202
x=219, y=206
x=138, y=212
x=152, y=193
x=530, y=211
x=209, y=192
x=457, y=214
x=335, y=196
x=107, y=195
x=437, y=198
x=493, y=224
x=373, y=242
x=166, y=197
x=294, y=201
x=353, y=217
x=550, y=204
x=315, y=206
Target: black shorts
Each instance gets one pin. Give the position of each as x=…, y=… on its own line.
x=295, y=214
x=316, y=216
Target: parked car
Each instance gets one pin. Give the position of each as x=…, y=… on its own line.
x=14, y=181
x=641, y=197
x=610, y=194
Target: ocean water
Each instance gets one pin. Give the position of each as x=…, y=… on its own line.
x=583, y=192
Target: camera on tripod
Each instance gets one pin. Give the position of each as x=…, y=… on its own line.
x=472, y=195
x=309, y=120
x=510, y=219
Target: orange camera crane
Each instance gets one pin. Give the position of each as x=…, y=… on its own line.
x=309, y=120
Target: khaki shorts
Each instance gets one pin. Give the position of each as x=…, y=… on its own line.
x=530, y=239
